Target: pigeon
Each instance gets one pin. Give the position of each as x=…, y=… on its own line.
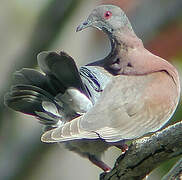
x=124, y=96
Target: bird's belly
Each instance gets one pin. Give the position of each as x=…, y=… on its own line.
x=87, y=147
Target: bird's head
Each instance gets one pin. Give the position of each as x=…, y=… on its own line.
x=108, y=18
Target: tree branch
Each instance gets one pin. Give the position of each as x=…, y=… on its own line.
x=147, y=153
x=175, y=172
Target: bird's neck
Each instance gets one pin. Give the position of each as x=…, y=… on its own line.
x=126, y=45
x=126, y=39
x=122, y=43
x=129, y=57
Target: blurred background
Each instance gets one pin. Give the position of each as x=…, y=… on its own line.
x=28, y=27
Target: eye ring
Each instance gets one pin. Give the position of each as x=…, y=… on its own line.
x=107, y=14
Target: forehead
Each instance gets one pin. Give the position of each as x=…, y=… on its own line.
x=100, y=10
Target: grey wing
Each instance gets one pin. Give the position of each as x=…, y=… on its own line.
x=127, y=109
x=124, y=110
x=104, y=119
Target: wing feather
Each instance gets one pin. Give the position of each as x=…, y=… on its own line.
x=128, y=110
x=124, y=111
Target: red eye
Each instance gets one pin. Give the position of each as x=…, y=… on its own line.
x=107, y=14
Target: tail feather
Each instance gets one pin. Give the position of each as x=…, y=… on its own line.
x=62, y=67
x=36, y=94
x=34, y=78
x=25, y=99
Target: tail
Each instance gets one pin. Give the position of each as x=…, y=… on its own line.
x=40, y=94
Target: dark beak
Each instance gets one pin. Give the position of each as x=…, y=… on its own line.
x=84, y=25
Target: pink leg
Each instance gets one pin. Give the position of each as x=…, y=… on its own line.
x=99, y=163
x=123, y=147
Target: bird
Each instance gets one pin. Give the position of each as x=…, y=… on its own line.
x=126, y=95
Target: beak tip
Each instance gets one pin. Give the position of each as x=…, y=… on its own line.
x=79, y=28
x=82, y=26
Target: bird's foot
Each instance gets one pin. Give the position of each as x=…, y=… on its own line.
x=123, y=147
